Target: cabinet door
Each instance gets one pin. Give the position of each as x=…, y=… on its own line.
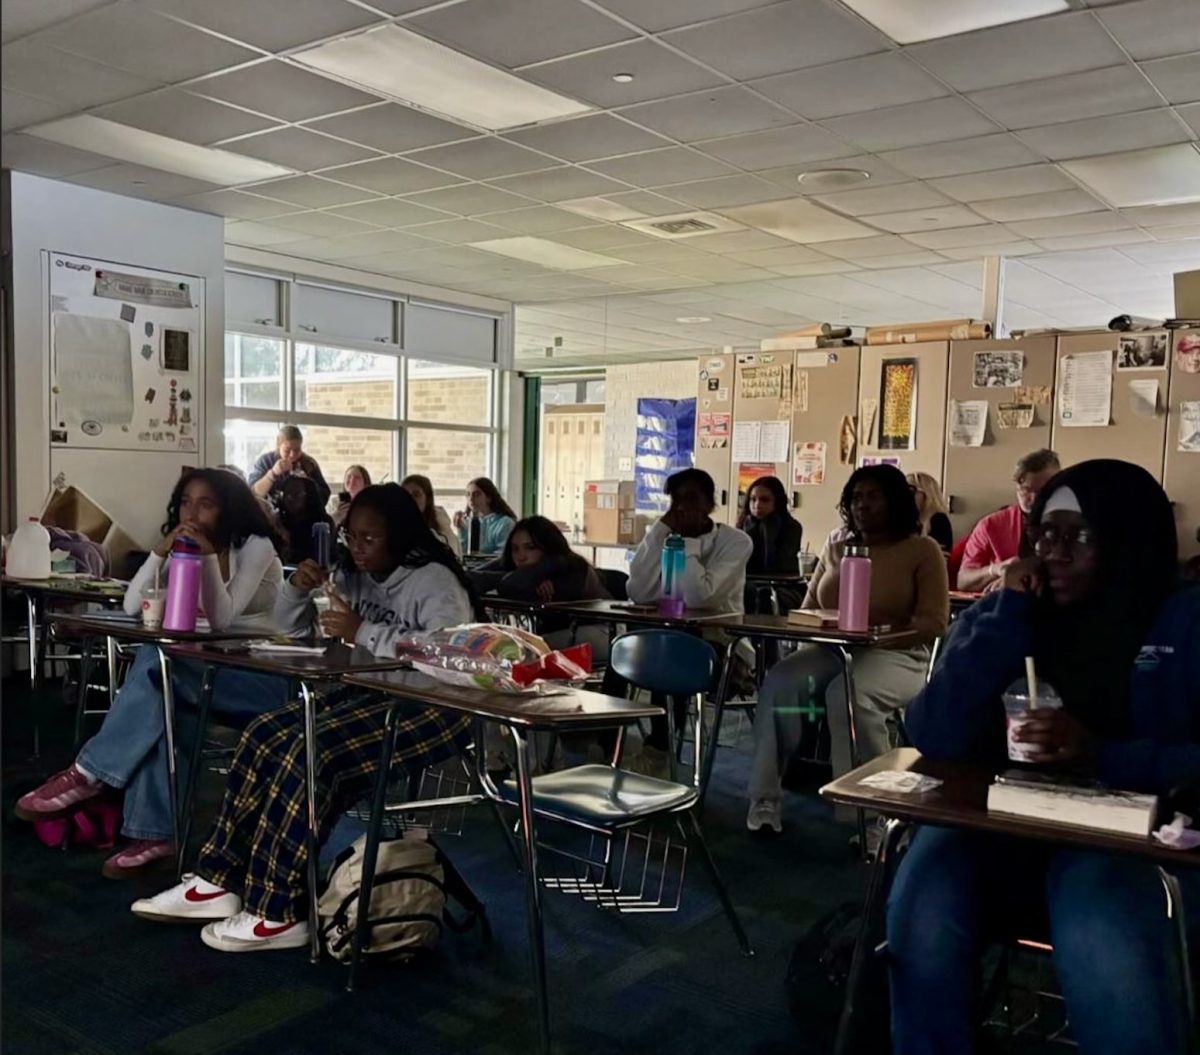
x=1181, y=475
x=714, y=412
x=548, y=500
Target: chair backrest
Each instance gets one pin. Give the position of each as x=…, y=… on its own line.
x=615, y=582
x=667, y=661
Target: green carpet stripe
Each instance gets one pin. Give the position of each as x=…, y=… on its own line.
x=260, y=1015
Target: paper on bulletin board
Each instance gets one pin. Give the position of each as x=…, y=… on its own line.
x=808, y=360
x=713, y=430
x=784, y=413
x=1085, y=389
x=808, y=464
x=847, y=441
x=898, y=404
x=999, y=369
x=968, y=422
x=748, y=472
x=746, y=436
x=93, y=372
x=1143, y=397
x=1014, y=415
x=1035, y=394
x=761, y=382
x=773, y=441
x=866, y=421
x=800, y=390
x=1189, y=427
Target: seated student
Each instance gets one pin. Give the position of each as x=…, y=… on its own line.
x=241, y=577
x=908, y=588
x=538, y=564
x=287, y=459
x=932, y=509
x=300, y=510
x=1099, y=610
x=776, y=535
x=999, y=538
x=249, y=884
x=487, y=508
x=354, y=480
x=435, y=516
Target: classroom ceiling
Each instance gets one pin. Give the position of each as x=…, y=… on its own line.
x=1067, y=143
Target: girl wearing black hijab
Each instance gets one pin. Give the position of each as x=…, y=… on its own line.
x=1100, y=609
x=776, y=535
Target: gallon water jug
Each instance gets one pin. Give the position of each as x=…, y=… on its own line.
x=674, y=563
x=854, y=590
x=29, y=552
x=183, y=586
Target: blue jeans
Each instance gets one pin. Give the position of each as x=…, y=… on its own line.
x=130, y=750
x=1114, y=947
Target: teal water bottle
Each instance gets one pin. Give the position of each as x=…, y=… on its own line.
x=674, y=562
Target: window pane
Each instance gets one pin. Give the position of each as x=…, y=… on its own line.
x=259, y=358
x=450, y=459
x=246, y=440
x=456, y=395
x=259, y=394
x=342, y=381
x=336, y=449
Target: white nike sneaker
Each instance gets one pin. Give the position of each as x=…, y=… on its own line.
x=193, y=900
x=247, y=932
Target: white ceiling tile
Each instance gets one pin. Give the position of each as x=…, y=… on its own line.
x=1177, y=78
x=486, y=158
x=798, y=220
x=646, y=203
x=44, y=158
x=1154, y=28
x=283, y=91
x=775, y=258
x=470, y=199
x=725, y=191
x=235, y=204
x=879, y=172
x=313, y=191
x=709, y=114
x=136, y=181
x=539, y=219
x=1105, y=135
x=1164, y=175
x=20, y=111
x=560, y=184
x=247, y=232
x=259, y=22
x=978, y=186
x=1034, y=206
x=1115, y=90
x=913, y=258
x=657, y=167
x=78, y=81
x=962, y=156
x=318, y=224
x=913, y=124
x=297, y=149
x=1190, y=114
x=656, y=72
x=817, y=267
x=777, y=147
x=511, y=35
x=739, y=242
x=1178, y=232
x=1022, y=51
x=1163, y=215
x=362, y=244
x=22, y=17
x=588, y=138
x=392, y=128
x=1083, y=223
x=888, y=79
x=985, y=234
x=458, y=232
x=1083, y=241
x=145, y=43
x=778, y=39
x=391, y=212
x=892, y=198
x=670, y=14
x=177, y=114
x=391, y=176
x=975, y=252
x=937, y=219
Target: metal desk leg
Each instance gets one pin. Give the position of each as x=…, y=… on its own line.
x=847, y=659
x=193, y=775
x=168, y=695
x=85, y=674
x=864, y=949
x=311, y=836
x=533, y=890
x=718, y=711
x=110, y=654
x=1175, y=910
x=32, y=628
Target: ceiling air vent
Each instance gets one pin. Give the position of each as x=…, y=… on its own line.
x=684, y=225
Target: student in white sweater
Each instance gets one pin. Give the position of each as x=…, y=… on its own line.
x=240, y=583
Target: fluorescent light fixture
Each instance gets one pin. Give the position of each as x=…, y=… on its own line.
x=1157, y=176
x=546, y=253
x=413, y=69
x=799, y=220
x=600, y=209
x=691, y=320
x=910, y=21
x=133, y=145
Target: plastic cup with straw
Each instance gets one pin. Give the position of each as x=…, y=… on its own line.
x=153, y=603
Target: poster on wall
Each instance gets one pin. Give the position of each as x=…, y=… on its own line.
x=748, y=472
x=1085, y=389
x=1189, y=427
x=968, y=422
x=126, y=356
x=1142, y=351
x=898, y=400
x=999, y=369
x=808, y=464
x=713, y=430
x=1187, y=353
x=666, y=430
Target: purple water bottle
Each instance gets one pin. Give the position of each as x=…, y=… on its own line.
x=183, y=586
x=854, y=590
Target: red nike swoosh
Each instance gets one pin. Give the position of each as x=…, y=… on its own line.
x=192, y=894
x=261, y=930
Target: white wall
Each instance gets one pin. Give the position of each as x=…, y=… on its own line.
x=623, y=386
x=59, y=217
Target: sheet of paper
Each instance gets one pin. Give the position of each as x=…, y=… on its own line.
x=808, y=464
x=866, y=420
x=811, y=359
x=746, y=438
x=1085, y=390
x=93, y=370
x=1189, y=427
x=788, y=395
x=1014, y=415
x=968, y=422
x=800, y=388
x=846, y=440
x=1142, y=351
x=999, y=369
x=1033, y=394
x=773, y=441
x=1143, y=397
x=761, y=382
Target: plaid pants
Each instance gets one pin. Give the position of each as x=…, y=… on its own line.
x=258, y=842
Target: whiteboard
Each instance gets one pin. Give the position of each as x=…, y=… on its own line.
x=126, y=356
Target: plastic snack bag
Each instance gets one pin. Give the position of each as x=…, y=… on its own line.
x=495, y=658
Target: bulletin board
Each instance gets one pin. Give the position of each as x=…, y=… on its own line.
x=925, y=451
x=126, y=357
x=760, y=444
x=1129, y=435
x=714, y=427
x=979, y=479
x=1181, y=476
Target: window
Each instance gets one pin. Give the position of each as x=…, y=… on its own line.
x=336, y=448
x=456, y=395
x=246, y=440
x=253, y=371
x=342, y=381
x=450, y=459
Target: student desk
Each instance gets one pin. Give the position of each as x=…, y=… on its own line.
x=305, y=669
x=569, y=711
x=961, y=802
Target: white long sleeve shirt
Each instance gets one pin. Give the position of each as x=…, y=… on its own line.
x=714, y=575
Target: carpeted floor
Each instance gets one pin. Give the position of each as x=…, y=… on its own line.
x=82, y=976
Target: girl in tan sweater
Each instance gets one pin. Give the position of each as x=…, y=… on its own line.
x=909, y=588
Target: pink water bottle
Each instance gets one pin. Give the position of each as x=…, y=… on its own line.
x=183, y=586
x=854, y=590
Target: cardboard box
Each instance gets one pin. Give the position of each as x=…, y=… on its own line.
x=67, y=507
x=609, y=516
x=1187, y=295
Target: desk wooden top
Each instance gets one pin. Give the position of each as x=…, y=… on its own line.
x=571, y=708
x=777, y=626
x=337, y=660
x=961, y=802
x=81, y=588
x=129, y=628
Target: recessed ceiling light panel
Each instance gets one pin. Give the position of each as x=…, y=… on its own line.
x=832, y=179
x=692, y=320
x=546, y=253
x=1158, y=176
x=910, y=21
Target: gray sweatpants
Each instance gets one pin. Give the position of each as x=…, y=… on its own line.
x=884, y=682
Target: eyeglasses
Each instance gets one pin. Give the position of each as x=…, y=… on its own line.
x=1047, y=539
x=353, y=538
